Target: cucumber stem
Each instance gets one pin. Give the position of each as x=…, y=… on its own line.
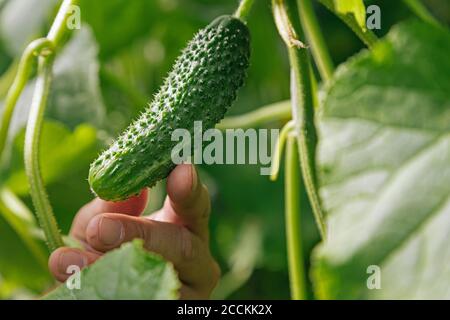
x=243, y=10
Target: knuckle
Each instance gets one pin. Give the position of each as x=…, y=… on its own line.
x=141, y=231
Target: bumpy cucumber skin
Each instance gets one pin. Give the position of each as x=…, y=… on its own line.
x=201, y=87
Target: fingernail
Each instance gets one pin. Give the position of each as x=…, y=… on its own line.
x=194, y=177
x=69, y=259
x=110, y=231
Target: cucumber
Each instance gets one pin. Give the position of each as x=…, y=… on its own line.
x=201, y=87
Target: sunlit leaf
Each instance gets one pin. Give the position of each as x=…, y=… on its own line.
x=385, y=170
x=128, y=273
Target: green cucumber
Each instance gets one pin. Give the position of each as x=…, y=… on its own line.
x=201, y=87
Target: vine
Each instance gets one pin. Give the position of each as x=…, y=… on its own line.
x=44, y=211
x=303, y=98
x=44, y=51
x=33, y=50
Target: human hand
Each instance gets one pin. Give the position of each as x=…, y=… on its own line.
x=179, y=232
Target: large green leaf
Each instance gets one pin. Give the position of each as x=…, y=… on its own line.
x=385, y=170
x=128, y=273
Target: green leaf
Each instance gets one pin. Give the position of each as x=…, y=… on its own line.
x=352, y=7
x=128, y=273
x=384, y=158
x=61, y=153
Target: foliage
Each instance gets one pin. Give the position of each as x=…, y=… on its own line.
x=385, y=169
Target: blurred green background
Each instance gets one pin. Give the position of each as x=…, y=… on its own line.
x=104, y=76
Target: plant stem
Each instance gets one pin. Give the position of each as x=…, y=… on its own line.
x=293, y=221
x=44, y=48
x=23, y=74
x=303, y=99
x=35, y=48
x=59, y=29
x=366, y=36
x=38, y=193
x=315, y=38
x=422, y=12
x=307, y=137
x=244, y=9
x=273, y=112
x=285, y=132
